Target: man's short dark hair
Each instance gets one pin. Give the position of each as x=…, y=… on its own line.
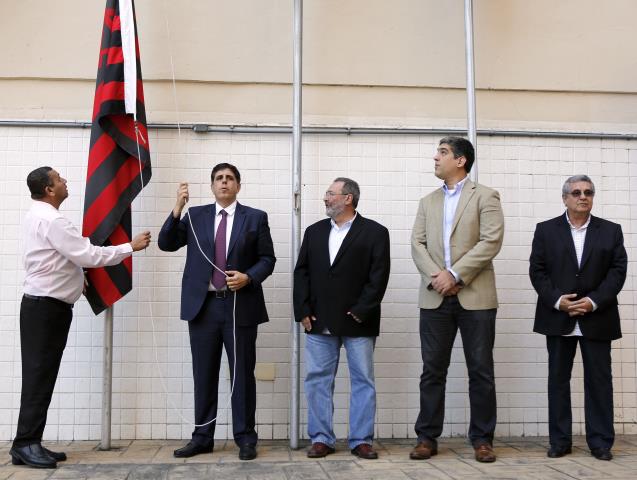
x=224, y=166
x=461, y=147
x=350, y=187
x=37, y=181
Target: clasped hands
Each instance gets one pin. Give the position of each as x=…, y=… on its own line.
x=445, y=283
x=575, y=308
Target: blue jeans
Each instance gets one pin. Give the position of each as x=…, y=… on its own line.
x=322, y=353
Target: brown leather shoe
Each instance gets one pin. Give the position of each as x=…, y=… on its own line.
x=319, y=450
x=484, y=453
x=423, y=451
x=365, y=450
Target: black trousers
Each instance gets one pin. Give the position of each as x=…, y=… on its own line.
x=598, y=391
x=210, y=332
x=44, y=328
x=438, y=328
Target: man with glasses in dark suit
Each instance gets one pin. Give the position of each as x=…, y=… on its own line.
x=339, y=282
x=578, y=267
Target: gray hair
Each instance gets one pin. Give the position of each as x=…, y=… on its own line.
x=566, y=188
x=350, y=187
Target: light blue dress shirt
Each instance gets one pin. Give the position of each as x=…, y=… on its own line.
x=452, y=197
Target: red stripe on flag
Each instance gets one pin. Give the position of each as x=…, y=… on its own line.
x=109, y=197
x=114, y=55
x=126, y=125
x=128, y=263
x=118, y=237
x=109, y=13
x=106, y=92
x=101, y=149
x=140, y=91
x=116, y=25
x=107, y=290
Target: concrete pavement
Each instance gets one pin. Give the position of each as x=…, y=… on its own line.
x=519, y=458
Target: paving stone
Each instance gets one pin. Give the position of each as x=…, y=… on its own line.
x=148, y=472
x=188, y=472
x=304, y=471
x=30, y=474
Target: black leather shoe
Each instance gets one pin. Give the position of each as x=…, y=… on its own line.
x=602, y=453
x=32, y=455
x=247, y=452
x=191, y=449
x=57, y=456
x=557, y=452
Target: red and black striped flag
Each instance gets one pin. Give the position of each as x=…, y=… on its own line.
x=119, y=156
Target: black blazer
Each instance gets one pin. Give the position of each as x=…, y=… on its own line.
x=250, y=251
x=554, y=272
x=355, y=282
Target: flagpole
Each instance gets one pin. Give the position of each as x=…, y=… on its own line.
x=107, y=380
x=471, y=87
x=297, y=124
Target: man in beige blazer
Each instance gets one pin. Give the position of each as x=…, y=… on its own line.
x=457, y=232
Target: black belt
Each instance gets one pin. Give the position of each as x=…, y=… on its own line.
x=219, y=293
x=48, y=299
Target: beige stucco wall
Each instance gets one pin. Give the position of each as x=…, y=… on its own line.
x=540, y=64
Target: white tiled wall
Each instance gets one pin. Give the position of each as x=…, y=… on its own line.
x=152, y=384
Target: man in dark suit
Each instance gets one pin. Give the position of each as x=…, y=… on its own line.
x=237, y=240
x=339, y=281
x=578, y=267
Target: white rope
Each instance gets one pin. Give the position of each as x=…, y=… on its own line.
x=173, y=407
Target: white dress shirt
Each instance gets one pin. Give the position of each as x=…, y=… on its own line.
x=230, y=210
x=337, y=235
x=579, y=236
x=452, y=197
x=55, y=253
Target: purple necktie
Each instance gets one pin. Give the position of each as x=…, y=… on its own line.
x=218, y=278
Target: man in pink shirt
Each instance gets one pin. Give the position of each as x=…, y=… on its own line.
x=55, y=254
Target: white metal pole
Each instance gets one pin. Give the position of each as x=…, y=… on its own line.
x=471, y=87
x=297, y=125
x=107, y=380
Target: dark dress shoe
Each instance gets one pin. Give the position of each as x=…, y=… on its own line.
x=32, y=455
x=365, y=450
x=423, y=451
x=191, y=449
x=319, y=450
x=484, y=453
x=57, y=456
x=247, y=452
x=557, y=452
x=602, y=454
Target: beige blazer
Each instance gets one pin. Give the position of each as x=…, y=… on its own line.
x=476, y=238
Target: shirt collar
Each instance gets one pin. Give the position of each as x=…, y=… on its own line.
x=588, y=220
x=346, y=224
x=44, y=206
x=456, y=189
x=230, y=209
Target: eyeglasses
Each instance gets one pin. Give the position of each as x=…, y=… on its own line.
x=329, y=193
x=578, y=193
